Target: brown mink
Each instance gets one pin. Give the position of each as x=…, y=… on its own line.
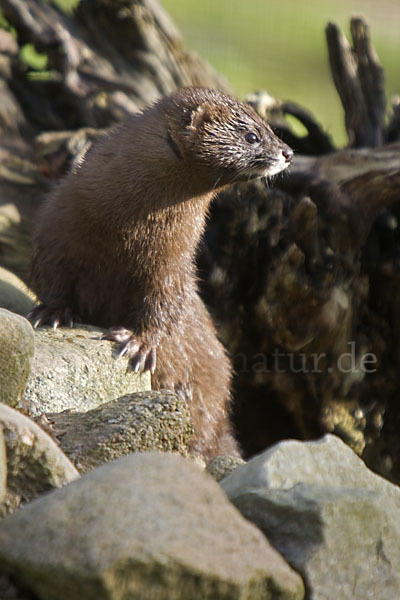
x=115, y=243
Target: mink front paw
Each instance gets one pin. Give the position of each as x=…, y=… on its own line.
x=44, y=315
x=142, y=355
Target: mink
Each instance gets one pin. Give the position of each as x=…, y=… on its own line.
x=115, y=243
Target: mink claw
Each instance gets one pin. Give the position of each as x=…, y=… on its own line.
x=34, y=317
x=138, y=362
x=117, y=334
x=150, y=364
x=129, y=349
x=35, y=322
x=144, y=360
x=142, y=356
x=136, y=365
x=44, y=315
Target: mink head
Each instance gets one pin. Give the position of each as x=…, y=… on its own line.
x=224, y=137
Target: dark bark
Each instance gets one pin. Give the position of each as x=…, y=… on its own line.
x=316, y=142
x=294, y=275
x=359, y=79
x=106, y=61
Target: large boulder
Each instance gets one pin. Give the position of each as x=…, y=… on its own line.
x=137, y=422
x=334, y=520
x=35, y=463
x=75, y=369
x=14, y=295
x=148, y=526
x=16, y=355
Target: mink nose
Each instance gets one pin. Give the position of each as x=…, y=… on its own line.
x=288, y=154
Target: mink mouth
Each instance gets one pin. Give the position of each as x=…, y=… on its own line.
x=265, y=173
x=272, y=170
x=267, y=166
x=276, y=167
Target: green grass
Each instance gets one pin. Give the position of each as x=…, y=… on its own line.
x=66, y=5
x=279, y=46
x=33, y=59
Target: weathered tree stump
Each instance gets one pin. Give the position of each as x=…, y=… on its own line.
x=295, y=284
x=105, y=62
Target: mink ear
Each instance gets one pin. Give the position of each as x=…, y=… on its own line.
x=201, y=115
x=180, y=132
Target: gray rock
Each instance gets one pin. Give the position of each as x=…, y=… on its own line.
x=222, y=466
x=334, y=520
x=16, y=354
x=35, y=464
x=74, y=369
x=14, y=295
x=138, y=422
x=148, y=526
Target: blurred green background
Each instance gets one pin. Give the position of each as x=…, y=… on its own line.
x=279, y=46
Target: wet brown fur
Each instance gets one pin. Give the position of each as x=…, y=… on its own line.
x=116, y=241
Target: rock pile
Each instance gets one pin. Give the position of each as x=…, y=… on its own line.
x=152, y=524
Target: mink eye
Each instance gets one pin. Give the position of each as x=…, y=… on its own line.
x=251, y=138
